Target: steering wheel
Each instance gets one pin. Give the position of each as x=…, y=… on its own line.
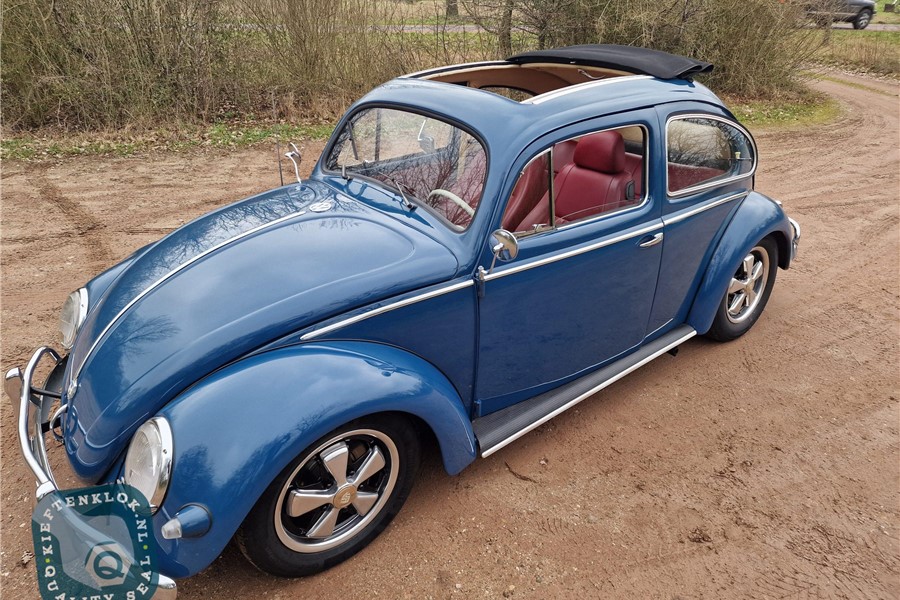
x=453, y=198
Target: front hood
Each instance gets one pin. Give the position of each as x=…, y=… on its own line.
x=222, y=286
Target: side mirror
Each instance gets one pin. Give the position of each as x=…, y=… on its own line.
x=505, y=247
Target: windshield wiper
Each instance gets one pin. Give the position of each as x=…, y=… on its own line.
x=406, y=203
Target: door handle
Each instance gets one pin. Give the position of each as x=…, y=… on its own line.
x=650, y=240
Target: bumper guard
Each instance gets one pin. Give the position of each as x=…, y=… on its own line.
x=34, y=406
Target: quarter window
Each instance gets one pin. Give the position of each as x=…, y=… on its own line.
x=703, y=151
x=579, y=179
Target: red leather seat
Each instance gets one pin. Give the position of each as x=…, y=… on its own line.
x=529, y=190
x=596, y=182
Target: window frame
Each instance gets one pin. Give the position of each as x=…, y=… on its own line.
x=712, y=182
x=645, y=177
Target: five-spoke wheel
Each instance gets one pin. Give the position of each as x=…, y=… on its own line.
x=333, y=499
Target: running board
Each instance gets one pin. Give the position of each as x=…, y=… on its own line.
x=496, y=430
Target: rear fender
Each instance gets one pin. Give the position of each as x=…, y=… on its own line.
x=756, y=218
x=238, y=429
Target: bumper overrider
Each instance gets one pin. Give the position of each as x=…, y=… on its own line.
x=795, y=242
x=34, y=404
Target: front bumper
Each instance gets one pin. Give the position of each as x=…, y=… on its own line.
x=34, y=405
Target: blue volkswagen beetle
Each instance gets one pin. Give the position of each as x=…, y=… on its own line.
x=479, y=248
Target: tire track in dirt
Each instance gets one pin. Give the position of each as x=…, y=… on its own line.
x=86, y=230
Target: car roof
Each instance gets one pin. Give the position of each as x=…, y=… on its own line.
x=502, y=122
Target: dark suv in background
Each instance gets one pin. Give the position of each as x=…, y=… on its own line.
x=858, y=12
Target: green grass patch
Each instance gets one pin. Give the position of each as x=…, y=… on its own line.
x=237, y=134
x=873, y=51
x=881, y=16
x=803, y=108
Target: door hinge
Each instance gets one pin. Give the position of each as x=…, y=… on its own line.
x=480, y=277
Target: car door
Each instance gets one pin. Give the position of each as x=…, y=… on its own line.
x=710, y=162
x=580, y=291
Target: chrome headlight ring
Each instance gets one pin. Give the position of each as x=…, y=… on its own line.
x=74, y=312
x=148, y=461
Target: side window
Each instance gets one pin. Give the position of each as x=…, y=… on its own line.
x=579, y=179
x=702, y=151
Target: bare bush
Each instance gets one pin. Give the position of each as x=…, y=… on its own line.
x=86, y=63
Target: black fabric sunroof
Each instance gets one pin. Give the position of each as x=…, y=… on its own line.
x=643, y=61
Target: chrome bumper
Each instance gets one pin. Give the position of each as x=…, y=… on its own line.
x=34, y=412
x=796, y=241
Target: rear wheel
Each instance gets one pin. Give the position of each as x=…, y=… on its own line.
x=863, y=19
x=333, y=499
x=748, y=292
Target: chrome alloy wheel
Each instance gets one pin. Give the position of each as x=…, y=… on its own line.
x=336, y=491
x=747, y=285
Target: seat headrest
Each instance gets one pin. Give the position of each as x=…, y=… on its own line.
x=603, y=151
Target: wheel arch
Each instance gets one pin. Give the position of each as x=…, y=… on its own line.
x=327, y=384
x=756, y=218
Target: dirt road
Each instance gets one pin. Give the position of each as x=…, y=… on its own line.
x=763, y=468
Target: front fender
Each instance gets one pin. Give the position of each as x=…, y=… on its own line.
x=240, y=427
x=756, y=218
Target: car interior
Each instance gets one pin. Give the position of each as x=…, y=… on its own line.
x=591, y=175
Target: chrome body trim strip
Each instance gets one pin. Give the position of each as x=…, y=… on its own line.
x=715, y=182
x=457, y=67
x=172, y=273
x=701, y=208
x=541, y=98
x=386, y=308
x=577, y=399
x=557, y=257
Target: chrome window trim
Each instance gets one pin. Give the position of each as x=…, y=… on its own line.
x=702, y=207
x=585, y=395
x=714, y=182
x=169, y=275
x=386, y=308
x=574, y=252
x=645, y=178
x=553, y=95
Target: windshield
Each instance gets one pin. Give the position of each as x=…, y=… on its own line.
x=429, y=162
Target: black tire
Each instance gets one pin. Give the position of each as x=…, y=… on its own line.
x=278, y=543
x=863, y=19
x=739, y=310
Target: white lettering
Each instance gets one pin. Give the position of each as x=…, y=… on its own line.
x=50, y=571
x=45, y=550
x=47, y=515
x=122, y=498
x=53, y=586
x=45, y=527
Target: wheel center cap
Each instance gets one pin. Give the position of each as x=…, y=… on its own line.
x=344, y=497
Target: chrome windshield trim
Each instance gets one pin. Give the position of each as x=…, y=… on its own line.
x=588, y=394
x=574, y=252
x=170, y=274
x=701, y=208
x=540, y=98
x=386, y=308
x=714, y=182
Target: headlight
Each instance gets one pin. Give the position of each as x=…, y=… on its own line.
x=72, y=317
x=148, y=462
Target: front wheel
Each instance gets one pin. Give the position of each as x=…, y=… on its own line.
x=333, y=499
x=748, y=292
x=863, y=19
